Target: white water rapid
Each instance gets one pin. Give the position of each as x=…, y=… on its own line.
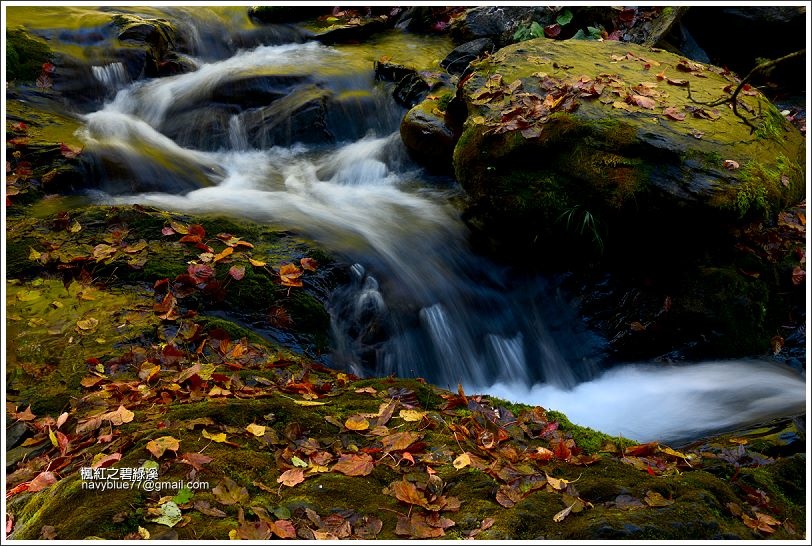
x=419, y=302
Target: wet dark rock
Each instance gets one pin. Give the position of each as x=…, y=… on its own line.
x=254, y=91
x=298, y=117
x=269, y=35
x=16, y=432
x=457, y=61
x=497, y=23
x=427, y=136
x=392, y=72
x=340, y=34
x=410, y=90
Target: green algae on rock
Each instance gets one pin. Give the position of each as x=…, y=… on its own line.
x=610, y=127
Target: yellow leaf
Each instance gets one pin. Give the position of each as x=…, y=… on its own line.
x=256, y=263
x=356, y=422
x=673, y=453
x=218, y=437
x=256, y=430
x=557, y=483
x=289, y=275
x=411, y=415
x=227, y=251
x=462, y=461
x=34, y=255
x=87, y=324
x=52, y=436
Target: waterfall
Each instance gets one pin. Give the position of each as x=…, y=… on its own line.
x=113, y=76
x=419, y=302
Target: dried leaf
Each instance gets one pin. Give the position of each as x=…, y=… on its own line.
x=356, y=422
x=160, y=445
x=291, y=477
x=559, y=517
x=228, y=492
x=195, y=460
x=673, y=113
x=289, y=275
x=237, y=272
x=411, y=415
x=256, y=430
x=43, y=480
x=256, y=263
x=218, y=437
x=87, y=324
x=730, y=165
x=120, y=416
x=309, y=264
x=399, y=441
x=642, y=101
x=407, y=492
x=354, y=465
x=227, y=251
x=106, y=460
x=416, y=527
x=462, y=461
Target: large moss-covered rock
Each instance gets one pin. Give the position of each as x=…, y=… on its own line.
x=603, y=135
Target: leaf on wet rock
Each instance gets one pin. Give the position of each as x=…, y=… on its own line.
x=416, y=526
x=106, y=460
x=623, y=106
x=642, y=101
x=356, y=422
x=673, y=113
x=559, y=517
x=170, y=515
x=399, y=441
x=237, y=272
x=730, y=165
x=354, y=465
x=160, y=445
x=291, y=477
x=218, y=437
x=195, y=460
x=87, y=324
x=229, y=492
x=508, y=496
x=120, y=416
x=290, y=275
x=309, y=264
x=283, y=528
x=462, y=461
x=227, y=251
x=407, y=492
x=256, y=430
x=41, y=481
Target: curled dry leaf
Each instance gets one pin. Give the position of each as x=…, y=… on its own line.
x=309, y=264
x=559, y=517
x=730, y=165
x=290, y=275
x=160, y=445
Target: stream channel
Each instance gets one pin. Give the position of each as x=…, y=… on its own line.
x=420, y=302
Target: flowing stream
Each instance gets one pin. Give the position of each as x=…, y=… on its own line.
x=419, y=302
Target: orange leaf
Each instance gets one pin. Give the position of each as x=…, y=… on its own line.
x=399, y=441
x=289, y=275
x=119, y=416
x=43, y=480
x=309, y=263
x=407, y=492
x=642, y=102
x=104, y=462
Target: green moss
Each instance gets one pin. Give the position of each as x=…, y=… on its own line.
x=25, y=56
x=591, y=441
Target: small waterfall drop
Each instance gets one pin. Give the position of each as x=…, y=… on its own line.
x=419, y=302
x=112, y=76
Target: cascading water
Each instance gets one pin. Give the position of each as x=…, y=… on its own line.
x=419, y=302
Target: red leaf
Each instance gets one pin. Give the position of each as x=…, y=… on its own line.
x=43, y=480
x=283, y=528
x=798, y=275
x=237, y=272
x=552, y=31
x=69, y=151
x=674, y=114
x=197, y=229
x=107, y=461
x=48, y=68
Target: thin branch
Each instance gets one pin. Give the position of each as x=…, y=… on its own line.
x=733, y=98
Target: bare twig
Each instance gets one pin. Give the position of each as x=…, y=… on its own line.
x=733, y=98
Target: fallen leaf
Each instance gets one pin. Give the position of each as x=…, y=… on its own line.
x=283, y=528
x=798, y=275
x=291, y=477
x=106, y=460
x=559, y=517
x=356, y=422
x=43, y=480
x=730, y=165
x=407, y=492
x=642, y=101
x=416, y=527
x=411, y=415
x=462, y=461
x=309, y=403
x=205, y=508
x=289, y=275
x=656, y=500
x=399, y=441
x=256, y=263
x=674, y=114
x=218, y=437
x=229, y=492
x=160, y=445
x=309, y=264
x=170, y=515
x=237, y=272
x=776, y=343
x=87, y=324
x=256, y=430
x=118, y=417
x=227, y=251
x=354, y=465
x=195, y=460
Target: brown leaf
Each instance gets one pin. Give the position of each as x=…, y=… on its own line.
x=417, y=527
x=25, y=415
x=399, y=441
x=229, y=492
x=354, y=465
x=291, y=477
x=196, y=460
x=237, y=272
x=309, y=264
x=730, y=165
x=642, y=101
x=407, y=492
x=158, y=446
x=679, y=83
x=674, y=114
x=283, y=528
x=104, y=462
x=253, y=530
x=386, y=411
x=43, y=480
x=798, y=275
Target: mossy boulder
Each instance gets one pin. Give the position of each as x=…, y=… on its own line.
x=427, y=135
x=25, y=56
x=605, y=132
